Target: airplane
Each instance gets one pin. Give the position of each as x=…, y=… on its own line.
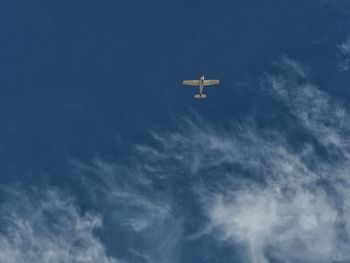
x=201, y=83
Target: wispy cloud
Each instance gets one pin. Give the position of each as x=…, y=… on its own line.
x=344, y=55
x=138, y=206
x=278, y=195
x=299, y=212
x=46, y=226
x=324, y=117
x=282, y=198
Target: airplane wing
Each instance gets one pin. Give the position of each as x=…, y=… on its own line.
x=191, y=82
x=211, y=82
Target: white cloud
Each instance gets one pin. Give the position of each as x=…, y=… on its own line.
x=45, y=226
x=256, y=189
x=299, y=212
x=344, y=55
x=325, y=117
x=281, y=201
x=134, y=202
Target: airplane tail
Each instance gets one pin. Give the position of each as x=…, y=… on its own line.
x=200, y=96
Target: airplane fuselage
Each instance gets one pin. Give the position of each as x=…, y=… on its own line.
x=201, y=85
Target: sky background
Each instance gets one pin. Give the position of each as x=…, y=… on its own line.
x=106, y=157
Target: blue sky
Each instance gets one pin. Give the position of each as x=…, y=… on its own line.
x=99, y=137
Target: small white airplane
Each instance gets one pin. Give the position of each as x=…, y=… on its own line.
x=201, y=83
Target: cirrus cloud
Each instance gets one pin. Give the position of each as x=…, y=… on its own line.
x=46, y=226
